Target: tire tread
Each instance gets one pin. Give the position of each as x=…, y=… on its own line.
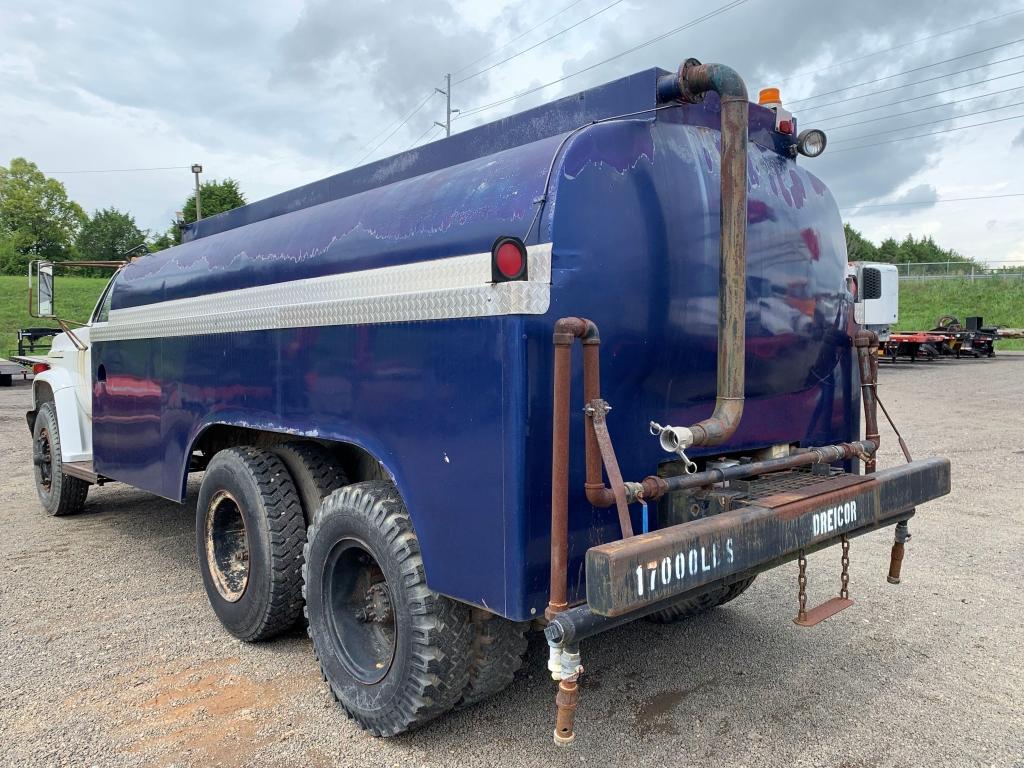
x=73, y=490
x=498, y=649
x=442, y=633
x=286, y=527
x=684, y=609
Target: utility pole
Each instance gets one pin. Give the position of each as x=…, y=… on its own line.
x=197, y=169
x=447, y=92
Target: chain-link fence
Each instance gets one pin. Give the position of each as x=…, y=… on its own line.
x=960, y=270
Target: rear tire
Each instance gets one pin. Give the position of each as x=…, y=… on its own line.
x=59, y=494
x=394, y=653
x=693, y=606
x=249, y=535
x=497, y=654
x=314, y=471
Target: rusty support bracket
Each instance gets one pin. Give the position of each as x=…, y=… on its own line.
x=597, y=411
x=866, y=343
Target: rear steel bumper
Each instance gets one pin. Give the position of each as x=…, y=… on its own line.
x=635, y=575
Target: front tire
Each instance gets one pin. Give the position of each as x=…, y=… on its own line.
x=394, y=653
x=249, y=535
x=60, y=494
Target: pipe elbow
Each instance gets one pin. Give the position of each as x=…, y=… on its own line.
x=865, y=338
x=599, y=495
x=567, y=329
x=694, y=79
x=722, y=423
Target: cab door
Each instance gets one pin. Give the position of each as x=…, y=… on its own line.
x=82, y=358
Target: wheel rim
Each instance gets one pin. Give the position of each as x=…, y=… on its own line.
x=44, y=460
x=360, y=614
x=227, y=546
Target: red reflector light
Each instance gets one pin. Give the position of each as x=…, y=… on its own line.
x=508, y=260
x=40, y=367
x=786, y=126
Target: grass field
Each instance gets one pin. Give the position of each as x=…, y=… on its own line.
x=76, y=297
x=998, y=301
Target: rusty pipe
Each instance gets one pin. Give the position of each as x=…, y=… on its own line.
x=866, y=344
x=566, y=331
x=598, y=493
x=655, y=487
x=690, y=84
x=565, y=705
x=901, y=537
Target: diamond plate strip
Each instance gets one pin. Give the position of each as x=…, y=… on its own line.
x=457, y=287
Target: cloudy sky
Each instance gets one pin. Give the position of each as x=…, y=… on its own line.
x=280, y=92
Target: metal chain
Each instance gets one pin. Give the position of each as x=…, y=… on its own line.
x=844, y=591
x=802, y=581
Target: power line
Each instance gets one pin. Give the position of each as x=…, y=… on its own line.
x=931, y=122
x=919, y=82
x=395, y=127
x=120, y=170
x=897, y=47
x=931, y=202
x=862, y=110
x=541, y=42
x=387, y=138
x=908, y=71
x=711, y=14
x=893, y=115
x=517, y=37
x=421, y=137
x=922, y=135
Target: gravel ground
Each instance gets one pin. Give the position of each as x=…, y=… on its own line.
x=111, y=656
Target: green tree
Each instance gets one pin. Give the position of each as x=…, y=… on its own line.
x=108, y=235
x=910, y=250
x=163, y=240
x=858, y=247
x=889, y=251
x=215, y=197
x=37, y=219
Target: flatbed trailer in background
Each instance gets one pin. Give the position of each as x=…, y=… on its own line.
x=913, y=345
x=11, y=370
x=949, y=338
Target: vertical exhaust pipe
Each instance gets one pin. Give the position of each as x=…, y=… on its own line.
x=690, y=84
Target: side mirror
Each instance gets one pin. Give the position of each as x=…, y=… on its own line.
x=43, y=273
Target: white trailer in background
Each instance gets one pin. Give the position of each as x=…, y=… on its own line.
x=877, y=296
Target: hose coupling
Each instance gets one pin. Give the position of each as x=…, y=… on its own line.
x=675, y=440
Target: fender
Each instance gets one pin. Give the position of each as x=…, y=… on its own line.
x=74, y=425
x=364, y=443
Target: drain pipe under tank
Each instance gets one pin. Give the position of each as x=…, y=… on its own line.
x=690, y=84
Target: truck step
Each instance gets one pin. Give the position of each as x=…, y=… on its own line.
x=83, y=471
x=824, y=611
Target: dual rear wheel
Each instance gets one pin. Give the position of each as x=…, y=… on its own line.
x=394, y=653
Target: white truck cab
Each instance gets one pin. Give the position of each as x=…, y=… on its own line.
x=68, y=383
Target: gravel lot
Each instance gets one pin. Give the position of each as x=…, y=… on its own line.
x=111, y=657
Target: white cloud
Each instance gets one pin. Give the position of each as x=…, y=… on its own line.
x=279, y=93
